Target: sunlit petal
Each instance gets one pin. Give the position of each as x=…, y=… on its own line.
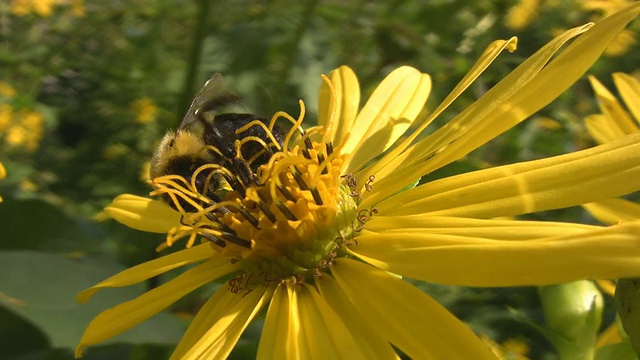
x=514, y=99
x=390, y=110
x=367, y=338
x=629, y=89
x=281, y=336
x=613, y=211
x=152, y=268
x=611, y=108
x=220, y=339
x=473, y=228
x=143, y=214
x=407, y=317
x=116, y=320
x=561, y=181
x=215, y=308
x=327, y=334
x=602, y=129
x=488, y=56
x=339, y=112
x=602, y=254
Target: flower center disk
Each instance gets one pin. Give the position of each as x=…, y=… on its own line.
x=291, y=221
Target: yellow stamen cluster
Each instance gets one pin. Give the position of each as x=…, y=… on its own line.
x=292, y=221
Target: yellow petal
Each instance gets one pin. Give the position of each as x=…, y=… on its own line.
x=487, y=57
x=629, y=89
x=339, y=112
x=602, y=128
x=407, y=317
x=366, y=337
x=505, y=105
x=388, y=113
x=446, y=227
x=610, y=335
x=581, y=177
x=326, y=333
x=491, y=115
x=613, y=211
x=213, y=309
x=603, y=254
x=222, y=336
x=116, y=320
x=612, y=109
x=143, y=214
x=281, y=337
x=151, y=268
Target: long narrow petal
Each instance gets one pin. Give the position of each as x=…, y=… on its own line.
x=472, y=228
x=388, y=113
x=367, y=338
x=585, y=176
x=611, y=108
x=407, y=317
x=338, y=112
x=613, y=211
x=281, y=335
x=602, y=129
x=116, y=320
x=213, y=309
x=488, y=56
x=629, y=89
x=516, y=100
x=220, y=338
x=603, y=254
x=152, y=268
x=142, y=213
x=477, y=122
x=327, y=334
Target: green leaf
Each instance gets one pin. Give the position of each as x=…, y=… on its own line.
x=37, y=225
x=41, y=288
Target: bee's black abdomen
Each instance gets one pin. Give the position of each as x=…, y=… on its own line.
x=222, y=135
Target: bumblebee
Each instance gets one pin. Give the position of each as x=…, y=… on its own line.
x=205, y=137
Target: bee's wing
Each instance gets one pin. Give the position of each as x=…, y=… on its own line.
x=211, y=95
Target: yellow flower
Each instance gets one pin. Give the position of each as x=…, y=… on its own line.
x=6, y=90
x=3, y=174
x=615, y=123
x=522, y=14
x=43, y=8
x=26, y=130
x=623, y=41
x=318, y=237
x=145, y=110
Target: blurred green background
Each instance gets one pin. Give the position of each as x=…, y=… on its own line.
x=87, y=89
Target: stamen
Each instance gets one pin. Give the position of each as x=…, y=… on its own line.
x=265, y=209
x=267, y=130
x=237, y=186
x=286, y=212
x=307, y=142
x=214, y=240
x=298, y=177
x=288, y=195
x=329, y=147
x=316, y=196
x=237, y=240
x=320, y=161
x=250, y=218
